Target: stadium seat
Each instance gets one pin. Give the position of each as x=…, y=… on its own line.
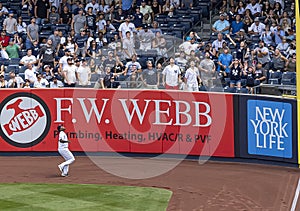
x=288, y=78
x=275, y=78
x=216, y=89
x=230, y=89
x=11, y=68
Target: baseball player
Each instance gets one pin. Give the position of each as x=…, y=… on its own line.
x=63, y=144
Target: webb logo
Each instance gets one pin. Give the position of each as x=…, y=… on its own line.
x=269, y=128
x=25, y=120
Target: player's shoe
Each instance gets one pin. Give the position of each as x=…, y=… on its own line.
x=60, y=168
x=64, y=175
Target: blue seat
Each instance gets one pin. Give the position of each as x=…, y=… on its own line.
x=288, y=78
x=275, y=78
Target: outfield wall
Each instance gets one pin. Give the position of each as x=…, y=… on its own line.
x=143, y=121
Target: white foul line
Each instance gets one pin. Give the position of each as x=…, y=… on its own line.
x=296, y=196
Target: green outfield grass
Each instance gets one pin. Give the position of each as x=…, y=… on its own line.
x=81, y=197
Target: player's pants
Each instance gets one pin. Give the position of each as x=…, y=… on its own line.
x=69, y=158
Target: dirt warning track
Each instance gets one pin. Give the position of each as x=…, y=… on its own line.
x=210, y=186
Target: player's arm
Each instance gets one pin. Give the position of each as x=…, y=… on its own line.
x=63, y=141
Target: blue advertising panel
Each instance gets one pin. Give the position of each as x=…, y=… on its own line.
x=266, y=128
x=269, y=128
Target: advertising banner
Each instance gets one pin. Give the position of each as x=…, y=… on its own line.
x=268, y=130
x=118, y=121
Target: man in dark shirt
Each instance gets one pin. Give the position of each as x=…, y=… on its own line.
x=66, y=16
x=110, y=61
x=81, y=41
x=138, y=18
x=41, y=11
x=91, y=20
x=47, y=54
x=150, y=77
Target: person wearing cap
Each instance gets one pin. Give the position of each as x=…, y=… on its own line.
x=262, y=55
x=12, y=49
x=84, y=74
x=132, y=67
x=56, y=83
x=15, y=81
x=10, y=24
x=224, y=60
x=41, y=82
x=32, y=34
x=41, y=11
x=125, y=27
x=63, y=60
x=63, y=150
x=254, y=8
x=47, y=73
x=145, y=37
x=221, y=25
x=257, y=27
x=81, y=41
x=70, y=74
x=109, y=61
x=79, y=22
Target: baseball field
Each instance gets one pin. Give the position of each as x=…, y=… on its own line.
x=34, y=183
x=30, y=196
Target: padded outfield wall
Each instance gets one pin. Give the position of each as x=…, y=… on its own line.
x=142, y=121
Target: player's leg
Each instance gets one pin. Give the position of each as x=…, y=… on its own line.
x=68, y=156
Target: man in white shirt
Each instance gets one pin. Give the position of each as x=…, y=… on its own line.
x=28, y=59
x=63, y=60
x=41, y=82
x=171, y=75
x=125, y=27
x=254, y=8
x=70, y=74
x=84, y=74
x=257, y=27
x=30, y=75
x=63, y=149
x=15, y=81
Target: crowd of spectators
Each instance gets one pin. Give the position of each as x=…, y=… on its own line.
x=100, y=39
